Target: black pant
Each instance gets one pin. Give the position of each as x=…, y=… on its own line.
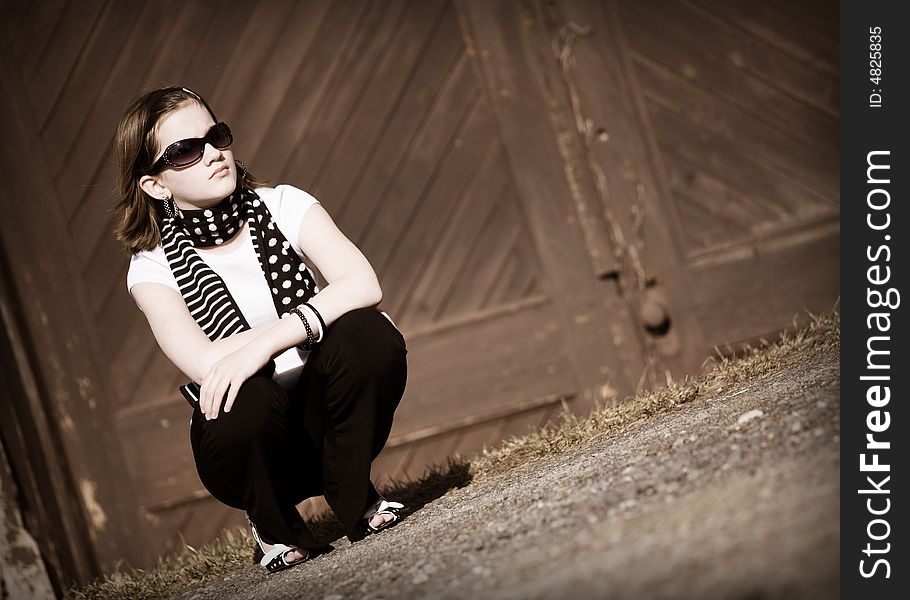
x=275, y=449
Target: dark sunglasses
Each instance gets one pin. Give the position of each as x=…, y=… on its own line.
x=184, y=153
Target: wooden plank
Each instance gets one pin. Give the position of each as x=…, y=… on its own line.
x=821, y=15
x=250, y=50
x=35, y=34
x=206, y=64
x=89, y=157
x=387, y=466
x=506, y=365
x=592, y=312
x=506, y=262
x=14, y=14
x=508, y=67
x=187, y=29
x=445, y=267
x=609, y=100
x=557, y=84
x=647, y=234
x=77, y=394
x=515, y=281
x=156, y=382
x=475, y=440
x=432, y=206
x=305, y=93
x=713, y=212
x=130, y=357
x=757, y=290
x=403, y=192
x=267, y=85
x=51, y=74
x=494, y=242
x=105, y=270
x=815, y=170
x=427, y=87
x=751, y=95
x=780, y=30
x=715, y=36
x=356, y=68
x=114, y=313
x=156, y=446
x=73, y=80
x=41, y=479
x=427, y=454
x=672, y=275
x=734, y=165
x=362, y=136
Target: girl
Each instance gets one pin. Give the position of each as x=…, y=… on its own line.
x=297, y=385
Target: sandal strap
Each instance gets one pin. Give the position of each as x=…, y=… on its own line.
x=276, y=558
x=256, y=534
x=384, y=507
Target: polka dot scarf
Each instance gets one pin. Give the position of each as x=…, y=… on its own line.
x=203, y=290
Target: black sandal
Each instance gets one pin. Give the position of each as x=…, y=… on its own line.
x=276, y=559
x=382, y=507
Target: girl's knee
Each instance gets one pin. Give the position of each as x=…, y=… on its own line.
x=367, y=337
x=257, y=412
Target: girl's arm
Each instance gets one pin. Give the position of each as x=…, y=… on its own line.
x=180, y=337
x=351, y=281
x=223, y=366
x=351, y=284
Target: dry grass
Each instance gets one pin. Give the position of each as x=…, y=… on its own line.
x=822, y=331
x=227, y=554
x=234, y=550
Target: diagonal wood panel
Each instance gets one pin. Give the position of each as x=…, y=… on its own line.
x=444, y=267
x=746, y=147
x=410, y=137
x=365, y=137
x=382, y=91
x=353, y=71
x=800, y=38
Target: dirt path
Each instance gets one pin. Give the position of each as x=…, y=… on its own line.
x=727, y=497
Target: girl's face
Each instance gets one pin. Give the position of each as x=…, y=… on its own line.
x=201, y=184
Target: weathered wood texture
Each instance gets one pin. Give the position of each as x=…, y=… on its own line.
x=22, y=572
x=530, y=180
x=59, y=418
x=716, y=128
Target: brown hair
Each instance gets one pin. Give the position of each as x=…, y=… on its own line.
x=139, y=215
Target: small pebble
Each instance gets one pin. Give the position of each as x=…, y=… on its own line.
x=748, y=416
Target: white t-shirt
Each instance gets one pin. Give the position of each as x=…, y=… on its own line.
x=242, y=273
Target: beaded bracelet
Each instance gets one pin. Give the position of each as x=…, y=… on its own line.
x=318, y=316
x=310, y=338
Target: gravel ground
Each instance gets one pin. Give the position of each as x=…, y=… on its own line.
x=735, y=496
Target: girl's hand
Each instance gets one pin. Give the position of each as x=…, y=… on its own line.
x=228, y=374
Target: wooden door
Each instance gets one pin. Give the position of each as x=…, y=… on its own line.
x=737, y=105
x=565, y=201
x=381, y=111
x=701, y=139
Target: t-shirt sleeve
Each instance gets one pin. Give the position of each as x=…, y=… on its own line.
x=292, y=205
x=150, y=267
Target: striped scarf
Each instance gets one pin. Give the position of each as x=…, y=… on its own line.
x=205, y=293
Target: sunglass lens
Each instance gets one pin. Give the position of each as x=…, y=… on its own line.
x=220, y=136
x=185, y=152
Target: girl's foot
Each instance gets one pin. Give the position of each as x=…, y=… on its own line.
x=380, y=518
x=383, y=514
x=291, y=556
x=276, y=557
